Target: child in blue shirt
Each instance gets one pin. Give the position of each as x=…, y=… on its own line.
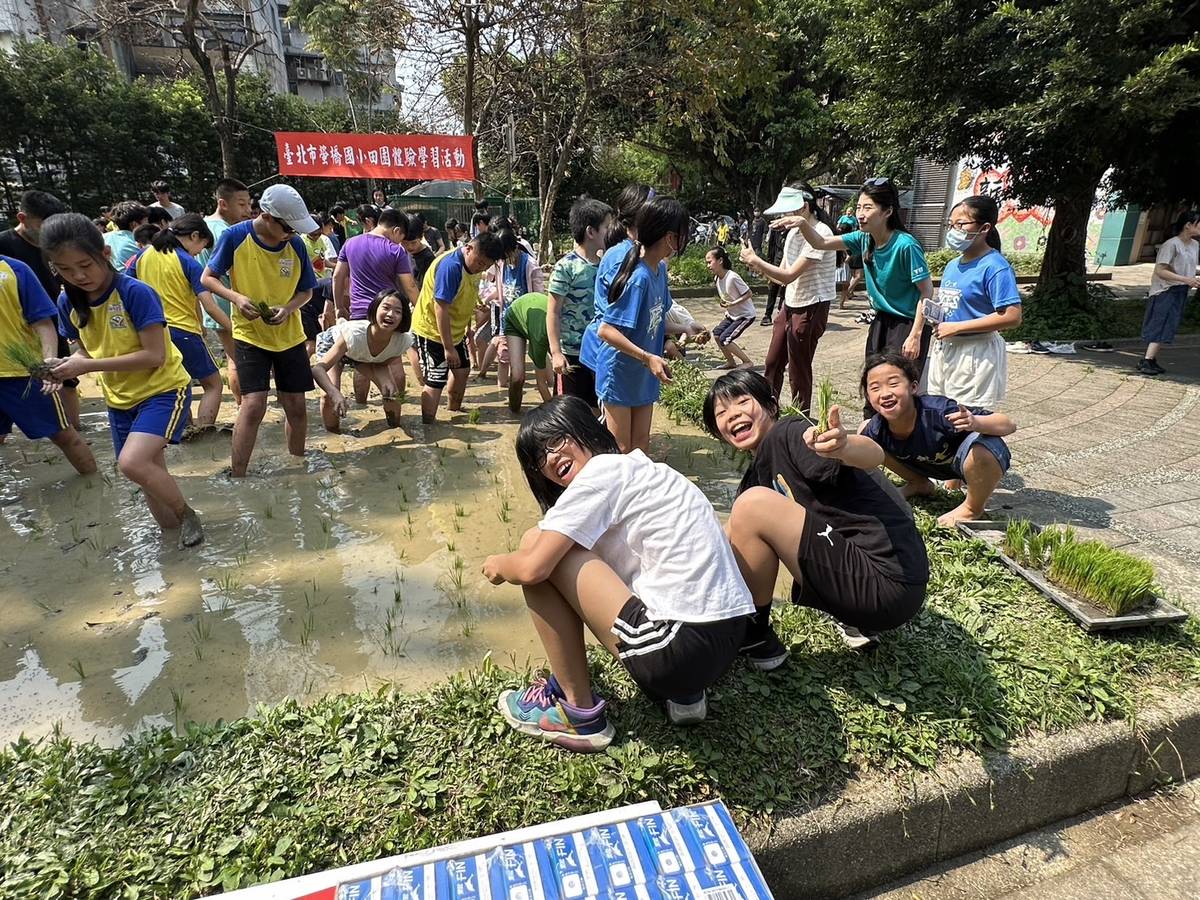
x=624, y=343
x=929, y=436
x=978, y=299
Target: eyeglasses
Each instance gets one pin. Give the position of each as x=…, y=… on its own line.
x=552, y=448
x=877, y=182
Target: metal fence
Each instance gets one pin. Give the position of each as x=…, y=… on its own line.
x=437, y=210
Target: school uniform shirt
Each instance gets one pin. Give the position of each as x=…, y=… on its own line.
x=112, y=330
x=271, y=275
x=893, y=272
x=1180, y=257
x=573, y=281
x=972, y=290
x=122, y=247
x=23, y=301
x=175, y=277
x=658, y=532
x=818, y=282
x=14, y=246
x=861, y=506
x=640, y=313
x=931, y=448
x=448, y=282
x=730, y=286
x=376, y=263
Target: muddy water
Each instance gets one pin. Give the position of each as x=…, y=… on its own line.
x=354, y=567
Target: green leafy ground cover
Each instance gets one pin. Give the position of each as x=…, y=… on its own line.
x=353, y=777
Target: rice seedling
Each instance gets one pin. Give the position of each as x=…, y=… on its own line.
x=458, y=568
x=824, y=402
x=457, y=527
x=450, y=546
x=77, y=667
x=459, y=510
x=306, y=630
x=1016, y=539
x=504, y=511
x=265, y=310
x=228, y=583
x=27, y=357
x=1041, y=546
x=473, y=417
x=178, y=707
x=1111, y=579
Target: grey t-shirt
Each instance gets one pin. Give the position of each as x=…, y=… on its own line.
x=1180, y=257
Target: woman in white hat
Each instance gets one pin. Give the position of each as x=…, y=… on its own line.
x=810, y=276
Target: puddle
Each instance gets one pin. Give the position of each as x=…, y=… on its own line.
x=354, y=567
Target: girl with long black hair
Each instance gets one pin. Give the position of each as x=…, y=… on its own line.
x=606, y=554
x=894, y=267
x=624, y=343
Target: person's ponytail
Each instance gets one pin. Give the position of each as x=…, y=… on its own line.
x=166, y=241
x=628, y=266
x=986, y=211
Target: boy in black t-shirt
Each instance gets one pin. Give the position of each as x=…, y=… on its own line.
x=928, y=436
x=818, y=504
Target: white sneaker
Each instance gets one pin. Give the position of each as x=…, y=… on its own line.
x=688, y=713
x=855, y=639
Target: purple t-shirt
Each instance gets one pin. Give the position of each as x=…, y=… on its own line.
x=374, y=262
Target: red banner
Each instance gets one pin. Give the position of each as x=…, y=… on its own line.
x=408, y=156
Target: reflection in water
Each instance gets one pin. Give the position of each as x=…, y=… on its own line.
x=358, y=567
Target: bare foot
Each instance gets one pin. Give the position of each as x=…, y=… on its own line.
x=961, y=513
x=190, y=532
x=954, y=484
x=727, y=367
x=922, y=488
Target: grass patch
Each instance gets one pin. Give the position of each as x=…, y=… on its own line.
x=353, y=777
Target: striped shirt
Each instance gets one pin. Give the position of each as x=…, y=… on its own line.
x=818, y=282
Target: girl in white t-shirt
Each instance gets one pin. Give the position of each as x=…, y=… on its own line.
x=377, y=345
x=655, y=582
x=737, y=301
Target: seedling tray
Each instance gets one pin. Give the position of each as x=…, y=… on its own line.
x=1088, y=616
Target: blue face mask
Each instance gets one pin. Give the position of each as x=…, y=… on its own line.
x=959, y=241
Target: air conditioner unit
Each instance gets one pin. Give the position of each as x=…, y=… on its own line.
x=301, y=72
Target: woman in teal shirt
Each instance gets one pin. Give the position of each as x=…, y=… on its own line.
x=894, y=268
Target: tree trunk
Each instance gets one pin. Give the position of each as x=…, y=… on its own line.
x=1060, y=307
x=471, y=36
x=222, y=106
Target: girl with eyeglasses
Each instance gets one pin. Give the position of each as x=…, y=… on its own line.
x=894, y=268
x=607, y=555
x=977, y=299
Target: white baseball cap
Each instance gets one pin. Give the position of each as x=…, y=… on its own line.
x=789, y=200
x=284, y=202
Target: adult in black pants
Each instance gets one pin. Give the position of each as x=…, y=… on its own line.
x=894, y=268
x=774, y=257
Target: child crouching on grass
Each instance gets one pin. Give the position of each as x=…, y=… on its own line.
x=378, y=345
x=925, y=436
x=122, y=334
x=818, y=504
x=608, y=554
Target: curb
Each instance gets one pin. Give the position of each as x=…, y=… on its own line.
x=878, y=830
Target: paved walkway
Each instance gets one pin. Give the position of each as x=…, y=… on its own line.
x=1113, y=452
x=1147, y=849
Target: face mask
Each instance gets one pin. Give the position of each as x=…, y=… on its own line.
x=959, y=241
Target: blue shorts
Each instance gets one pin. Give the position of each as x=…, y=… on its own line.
x=988, y=442
x=38, y=415
x=197, y=360
x=164, y=415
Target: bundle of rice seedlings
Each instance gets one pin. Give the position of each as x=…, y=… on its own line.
x=265, y=310
x=1114, y=581
x=1016, y=540
x=824, y=402
x=1041, y=546
x=28, y=358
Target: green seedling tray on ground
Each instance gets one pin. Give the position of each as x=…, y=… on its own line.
x=1087, y=615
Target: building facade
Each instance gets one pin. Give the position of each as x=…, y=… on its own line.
x=149, y=45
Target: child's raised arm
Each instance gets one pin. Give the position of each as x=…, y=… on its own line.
x=851, y=449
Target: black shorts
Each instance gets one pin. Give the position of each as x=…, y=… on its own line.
x=64, y=350
x=433, y=360
x=293, y=375
x=579, y=382
x=675, y=660
x=842, y=579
